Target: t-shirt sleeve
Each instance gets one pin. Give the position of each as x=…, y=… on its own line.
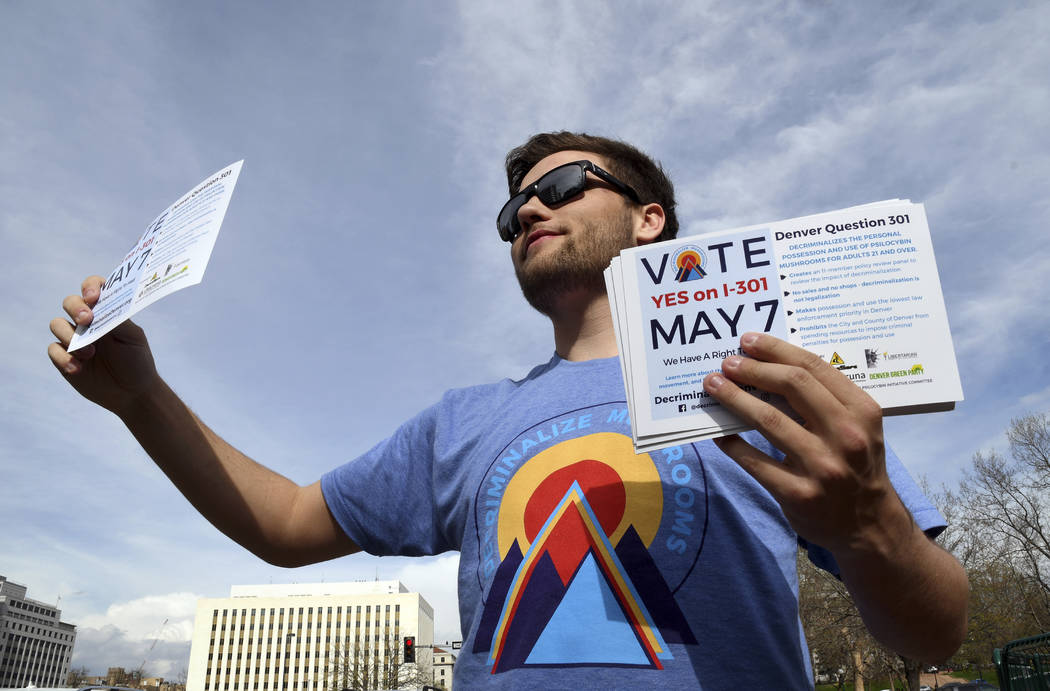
x=385, y=499
x=925, y=514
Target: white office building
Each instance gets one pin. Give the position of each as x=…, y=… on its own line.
x=36, y=646
x=315, y=636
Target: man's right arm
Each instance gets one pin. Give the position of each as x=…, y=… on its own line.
x=268, y=514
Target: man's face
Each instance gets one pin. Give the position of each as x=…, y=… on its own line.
x=565, y=248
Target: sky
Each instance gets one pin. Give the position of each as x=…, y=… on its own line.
x=358, y=273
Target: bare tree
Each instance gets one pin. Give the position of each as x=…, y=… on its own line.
x=78, y=676
x=999, y=528
x=362, y=665
x=1009, y=502
x=839, y=642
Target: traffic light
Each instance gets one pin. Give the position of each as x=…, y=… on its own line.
x=410, y=648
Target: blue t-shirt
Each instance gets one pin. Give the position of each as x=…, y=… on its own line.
x=582, y=564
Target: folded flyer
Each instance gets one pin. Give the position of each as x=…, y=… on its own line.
x=857, y=286
x=171, y=254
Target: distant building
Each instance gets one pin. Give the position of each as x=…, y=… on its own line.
x=311, y=637
x=36, y=646
x=444, y=661
x=118, y=676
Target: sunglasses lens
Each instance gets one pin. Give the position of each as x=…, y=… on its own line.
x=561, y=184
x=553, y=188
x=508, y=218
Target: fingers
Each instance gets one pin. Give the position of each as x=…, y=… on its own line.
x=62, y=330
x=78, y=307
x=771, y=349
x=806, y=394
x=78, y=310
x=62, y=359
x=838, y=415
x=91, y=288
x=67, y=362
x=784, y=433
x=821, y=394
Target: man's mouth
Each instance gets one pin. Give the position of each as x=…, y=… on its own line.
x=537, y=235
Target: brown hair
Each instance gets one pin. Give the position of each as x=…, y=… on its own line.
x=624, y=161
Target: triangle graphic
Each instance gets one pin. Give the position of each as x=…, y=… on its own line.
x=837, y=360
x=689, y=273
x=589, y=626
x=658, y=598
x=497, y=595
x=520, y=595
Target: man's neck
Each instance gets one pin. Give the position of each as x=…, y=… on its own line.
x=583, y=328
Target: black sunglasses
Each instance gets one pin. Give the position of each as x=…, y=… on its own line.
x=561, y=183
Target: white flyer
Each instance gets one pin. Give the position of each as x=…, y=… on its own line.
x=857, y=286
x=172, y=254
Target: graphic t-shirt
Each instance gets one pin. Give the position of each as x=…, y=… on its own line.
x=582, y=564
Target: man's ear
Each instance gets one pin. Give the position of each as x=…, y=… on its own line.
x=652, y=224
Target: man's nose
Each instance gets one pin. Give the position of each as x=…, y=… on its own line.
x=532, y=211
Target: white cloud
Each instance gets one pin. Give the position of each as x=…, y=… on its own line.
x=167, y=617
x=152, y=632
x=1037, y=401
x=98, y=649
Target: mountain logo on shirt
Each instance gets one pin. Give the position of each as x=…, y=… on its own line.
x=584, y=544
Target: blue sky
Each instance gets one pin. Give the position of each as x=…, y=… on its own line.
x=358, y=273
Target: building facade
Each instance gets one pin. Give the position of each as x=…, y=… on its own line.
x=444, y=661
x=36, y=646
x=317, y=636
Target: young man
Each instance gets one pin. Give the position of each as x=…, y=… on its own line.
x=582, y=564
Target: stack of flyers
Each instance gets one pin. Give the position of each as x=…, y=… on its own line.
x=857, y=286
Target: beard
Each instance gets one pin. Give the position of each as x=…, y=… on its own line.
x=577, y=266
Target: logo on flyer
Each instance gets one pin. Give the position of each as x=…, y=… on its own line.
x=871, y=357
x=839, y=363
x=914, y=371
x=689, y=263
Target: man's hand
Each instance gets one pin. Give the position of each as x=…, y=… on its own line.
x=834, y=489
x=114, y=370
x=267, y=513
x=832, y=484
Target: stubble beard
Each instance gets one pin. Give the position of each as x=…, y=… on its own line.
x=576, y=266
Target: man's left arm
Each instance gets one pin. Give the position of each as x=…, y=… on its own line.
x=835, y=491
